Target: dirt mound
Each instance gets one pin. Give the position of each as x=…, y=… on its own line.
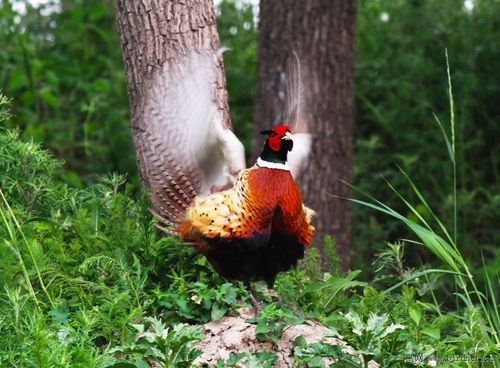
x=234, y=335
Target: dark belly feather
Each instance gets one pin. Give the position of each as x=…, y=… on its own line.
x=260, y=257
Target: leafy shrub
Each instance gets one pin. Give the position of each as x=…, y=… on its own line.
x=313, y=355
x=198, y=301
x=263, y=359
x=272, y=321
x=168, y=348
x=367, y=337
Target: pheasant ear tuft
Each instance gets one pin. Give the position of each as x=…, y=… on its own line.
x=266, y=132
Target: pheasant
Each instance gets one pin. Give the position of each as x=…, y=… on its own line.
x=259, y=227
x=251, y=223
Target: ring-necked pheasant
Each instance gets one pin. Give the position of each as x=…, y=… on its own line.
x=250, y=223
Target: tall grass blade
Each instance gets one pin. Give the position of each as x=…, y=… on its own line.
x=424, y=202
x=446, y=139
x=9, y=225
x=410, y=207
x=431, y=240
x=466, y=301
x=417, y=275
x=494, y=314
x=28, y=246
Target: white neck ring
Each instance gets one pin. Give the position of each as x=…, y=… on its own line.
x=272, y=165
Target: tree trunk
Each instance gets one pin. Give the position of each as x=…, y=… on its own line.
x=322, y=33
x=155, y=36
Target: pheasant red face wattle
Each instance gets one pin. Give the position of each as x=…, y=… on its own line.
x=276, y=135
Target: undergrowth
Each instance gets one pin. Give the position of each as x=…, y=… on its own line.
x=88, y=281
x=83, y=267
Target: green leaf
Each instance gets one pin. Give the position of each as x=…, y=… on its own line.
x=123, y=365
x=138, y=327
x=446, y=139
x=59, y=315
x=299, y=341
x=356, y=322
x=233, y=359
x=415, y=314
x=431, y=331
x=433, y=241
x=316, y=362
x=218, y=311
x=50, y=98
x=330, y=282
x=392, y=328
x=17, y=79
x=376, y=323
x=334, y=285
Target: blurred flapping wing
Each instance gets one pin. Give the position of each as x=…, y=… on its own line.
x=295, y=116
x=185, y=146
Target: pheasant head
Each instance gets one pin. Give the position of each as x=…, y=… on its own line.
x=278, y=143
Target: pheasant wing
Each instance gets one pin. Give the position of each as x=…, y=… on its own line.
x=295, y=115
x=185, y=146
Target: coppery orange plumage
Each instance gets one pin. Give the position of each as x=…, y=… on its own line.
x=256, y=229
x=262, y=198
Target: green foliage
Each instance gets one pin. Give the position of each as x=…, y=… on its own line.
x=291, y=284
x=372, y=321
x=24, y=171
x=332, y=286
x=62, y=66
x=422, y=337
x=368, y=336
x=332, y=257
x=272, y=321
x=57, y=82
x=29, y=337
x=314, y=293
x=313, y=355
x=63, y=70
x=238, y=32
x=263, y=359
x=434, y=235
x=400, y=83
x=81, y=265
x=167, y=347
x=4, y=107
x=197, y=301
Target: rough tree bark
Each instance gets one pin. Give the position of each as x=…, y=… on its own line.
x=322, y=33
x=155, y=35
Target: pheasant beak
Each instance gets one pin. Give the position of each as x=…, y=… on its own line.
x=288, y=137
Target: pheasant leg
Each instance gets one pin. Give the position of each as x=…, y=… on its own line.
x=256, y=305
